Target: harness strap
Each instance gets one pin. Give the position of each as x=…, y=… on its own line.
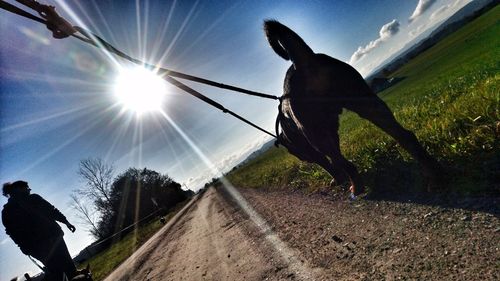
x=212, y=103
x=278, y=141
x=37, y=264
x=59, y=26
x=13, y=9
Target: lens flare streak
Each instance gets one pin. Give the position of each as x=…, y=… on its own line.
x=279, y=246
x=179, y=32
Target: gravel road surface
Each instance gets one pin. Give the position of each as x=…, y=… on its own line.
x=287, y=235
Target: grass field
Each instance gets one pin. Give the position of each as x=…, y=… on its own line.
x=449, y=97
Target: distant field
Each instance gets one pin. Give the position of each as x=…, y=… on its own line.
x=450, y=97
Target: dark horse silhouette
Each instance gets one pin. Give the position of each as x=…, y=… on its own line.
x=316, y=89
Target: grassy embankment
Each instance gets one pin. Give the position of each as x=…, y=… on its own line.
x=106, y=261
x=449, y=97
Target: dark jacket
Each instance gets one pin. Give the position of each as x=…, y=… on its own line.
x=31, y=221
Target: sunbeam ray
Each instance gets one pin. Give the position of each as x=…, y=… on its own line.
x=21, y=173
x=45, y=118
x=279, y=246
x=191, y=144
x=141, y=140
x=92, y=23
x=79, y=22
x=138, y=26
x=157, y=45
x=176, y=157
x=53, y=80
x=288, y=255
x=104, y=21
x=119, y=132
x=137, y=141
x=145, y=32
x=206, y=31
x=179, y=32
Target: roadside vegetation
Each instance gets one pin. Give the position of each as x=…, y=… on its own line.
x=122, y=212
x=450, y=98
x=103, y=263
x=108, y=204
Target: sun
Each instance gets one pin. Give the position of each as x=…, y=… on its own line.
x=139, y=89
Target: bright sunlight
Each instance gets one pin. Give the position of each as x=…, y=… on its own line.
x=139, y=89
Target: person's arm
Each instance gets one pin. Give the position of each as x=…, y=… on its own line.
x=51, y=211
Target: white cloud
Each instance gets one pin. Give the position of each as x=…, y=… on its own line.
x=460, y=3
x=5, y=241
x=387, y=31
x=438, y=12
x=437, y=16
x=417, y=30
x=422, y=6
x=407, y=33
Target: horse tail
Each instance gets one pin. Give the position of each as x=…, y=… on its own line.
x=286, y=43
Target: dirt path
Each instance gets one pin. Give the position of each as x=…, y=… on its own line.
x=212, y=240
x=284, y=235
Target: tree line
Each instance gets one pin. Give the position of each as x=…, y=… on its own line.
x=107, y=203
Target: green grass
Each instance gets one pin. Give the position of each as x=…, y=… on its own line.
x=450, y=98
x=106, y=261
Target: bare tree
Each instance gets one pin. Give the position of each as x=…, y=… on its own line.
x=86, y=213
x=97, y=177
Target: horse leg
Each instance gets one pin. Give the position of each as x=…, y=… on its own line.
x=339, y=161
x=297, y=144
x=305, y=152
x=377, y=112
x=339, y=175
x=327, y=142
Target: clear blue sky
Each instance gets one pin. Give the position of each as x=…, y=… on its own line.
x=57, y=107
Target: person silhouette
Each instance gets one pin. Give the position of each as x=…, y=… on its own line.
x=31, y=222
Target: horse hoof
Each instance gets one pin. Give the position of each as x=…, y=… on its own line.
x=356, y=190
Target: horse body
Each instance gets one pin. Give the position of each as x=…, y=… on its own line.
x=316, y=89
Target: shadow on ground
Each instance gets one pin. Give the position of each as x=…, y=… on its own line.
x=466, y=185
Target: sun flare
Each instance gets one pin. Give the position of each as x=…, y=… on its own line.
x=139, y=89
